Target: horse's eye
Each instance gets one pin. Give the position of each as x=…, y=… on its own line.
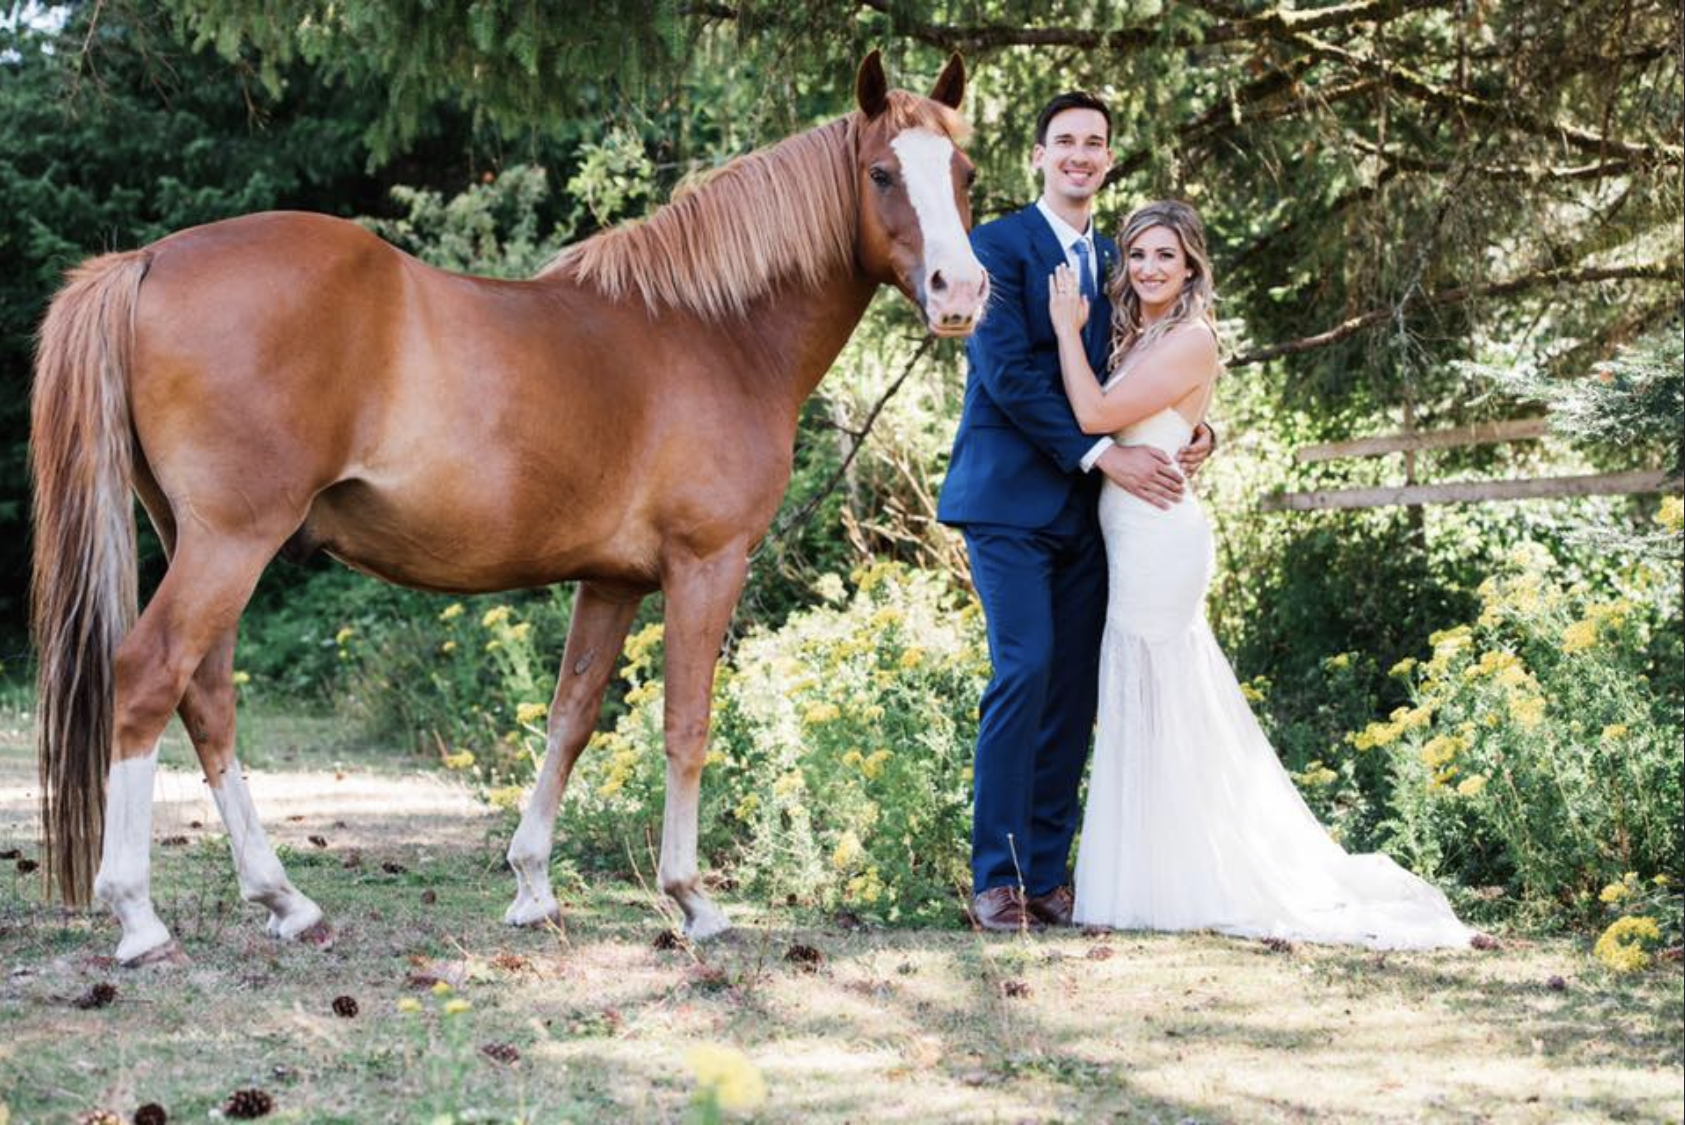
x=882, y=178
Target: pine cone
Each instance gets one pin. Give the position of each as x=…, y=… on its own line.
x=98, y=996
x=344, y=1007
x=502, y=1052
x=151, y=1114
x=247, y=1104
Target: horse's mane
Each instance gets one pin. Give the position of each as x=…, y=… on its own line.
x=730, y=235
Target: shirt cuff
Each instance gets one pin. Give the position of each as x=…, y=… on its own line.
x=1093, y=455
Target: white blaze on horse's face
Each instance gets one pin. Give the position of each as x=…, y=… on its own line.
x=953, y=287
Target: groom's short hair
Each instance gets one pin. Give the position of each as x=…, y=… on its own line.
x=1070, y=99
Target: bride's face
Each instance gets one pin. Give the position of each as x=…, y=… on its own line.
x=1158, y=267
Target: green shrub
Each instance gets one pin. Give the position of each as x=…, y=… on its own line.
x=839, y=770
x=1541, y=748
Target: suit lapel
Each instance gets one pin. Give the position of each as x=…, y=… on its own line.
x=1050, y=254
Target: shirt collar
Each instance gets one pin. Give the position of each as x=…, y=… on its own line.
x=1063, y=231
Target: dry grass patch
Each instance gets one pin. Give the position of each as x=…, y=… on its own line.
x=589, y=1023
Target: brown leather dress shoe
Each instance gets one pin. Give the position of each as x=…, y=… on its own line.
x=1056, y=907
x=1001, y=910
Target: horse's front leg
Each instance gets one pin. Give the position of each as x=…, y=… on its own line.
x=595, y=636
x=701, y=594
x=207, y=711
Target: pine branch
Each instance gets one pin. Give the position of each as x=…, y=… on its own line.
x=1414, y=84
x=1531, y=173
x=1652, y=271
x=1231, y=27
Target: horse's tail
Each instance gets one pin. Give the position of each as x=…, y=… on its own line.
x=82, y=600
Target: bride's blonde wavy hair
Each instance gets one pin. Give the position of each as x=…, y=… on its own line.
x=1196, y=301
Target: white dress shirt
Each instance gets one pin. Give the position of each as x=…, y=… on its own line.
x=1068, y=237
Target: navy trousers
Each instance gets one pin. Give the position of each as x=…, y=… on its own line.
x=1044, y=600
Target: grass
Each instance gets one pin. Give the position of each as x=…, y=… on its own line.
x=888, y=1025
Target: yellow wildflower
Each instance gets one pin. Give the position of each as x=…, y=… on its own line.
x=789, y=784
x=460, y=760
x=242, y=678
x=495, y=616
x=1315, y=776
x=1613, y=893
x=1579, y=636
x=409, y=1004
x=1403, y=667
x=873, y=765
x=345, y=633
x=530, y=713
x=505, y=797
x=912, y=658
x=888, y=615
x=821, y=713
x=1671, y=515
x=1528, y=711
x=1472, y=784
x=451, y=612
x=853, y=757
x=1251, y=694
x=456, y=1005
x=727, y=1074
x=1343, y=660
x=848, y=852
x=522, y=631
x=441, y=988
x=746, y=807
x=1614, y=731
x=1622, y=945
x=448, y=646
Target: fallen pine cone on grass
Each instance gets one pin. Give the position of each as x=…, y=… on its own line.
x=247, y=1104
x=344, y=1007
x=98, y=996
x=502, y=1052
x=151, y=1114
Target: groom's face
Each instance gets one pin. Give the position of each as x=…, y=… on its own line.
x=1074, y=157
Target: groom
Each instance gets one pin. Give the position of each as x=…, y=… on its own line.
x=1022, y=488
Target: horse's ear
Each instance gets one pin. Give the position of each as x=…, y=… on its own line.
x=950, y=87
x=871, y=88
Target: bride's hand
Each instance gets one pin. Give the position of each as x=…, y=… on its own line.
x=1065, y=302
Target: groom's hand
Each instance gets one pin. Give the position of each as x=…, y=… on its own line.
x=1191, y=456
x=1144, y=472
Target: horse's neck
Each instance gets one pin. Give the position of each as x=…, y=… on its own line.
x=804, y=330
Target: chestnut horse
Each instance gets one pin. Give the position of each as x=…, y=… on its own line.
x=626, y=419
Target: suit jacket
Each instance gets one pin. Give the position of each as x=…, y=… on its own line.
x=1018, y=450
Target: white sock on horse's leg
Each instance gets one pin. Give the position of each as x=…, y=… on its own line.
x=262, y=879
x=529, y=848
x=678, y=872
x=124, y=882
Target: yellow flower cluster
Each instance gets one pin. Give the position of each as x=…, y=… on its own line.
x=1315, y=776
x=530, y=713
x=847, y=852
x=726, y=1075
x=1671, y=515
x=1622, y=945
x=451, y=612
x=912, y=658
x=1472, y=785
x=1579, y=636
x=495, y=616
x=866, y=887
x=1620, y=891
x=821, y=713
x=1614, y=732
x=505, y=797
x=640, y=649
x=345, y=633
x=461, y=760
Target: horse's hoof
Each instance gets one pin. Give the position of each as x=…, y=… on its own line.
x=529, y=912
x=170, y=953
x=705, y=927
x=320, y=935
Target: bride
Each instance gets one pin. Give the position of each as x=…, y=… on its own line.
x=1191, y=821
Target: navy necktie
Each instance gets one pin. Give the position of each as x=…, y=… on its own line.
x=1086, y=286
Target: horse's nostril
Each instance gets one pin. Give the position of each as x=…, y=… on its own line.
x=937, y=282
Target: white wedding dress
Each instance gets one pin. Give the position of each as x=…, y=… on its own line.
x=1191, y=821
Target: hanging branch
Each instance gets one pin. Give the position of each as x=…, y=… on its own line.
x=1231, y=27
x=1652, y=271
x=800, y=517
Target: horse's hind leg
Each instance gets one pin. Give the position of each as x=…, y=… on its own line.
x=701, y=594
x=199, y=601
x=595, y=636
x=207, y=711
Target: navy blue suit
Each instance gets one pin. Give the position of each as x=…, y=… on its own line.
x=1016, y=489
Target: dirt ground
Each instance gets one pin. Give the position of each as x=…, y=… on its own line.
x=592, y=1021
